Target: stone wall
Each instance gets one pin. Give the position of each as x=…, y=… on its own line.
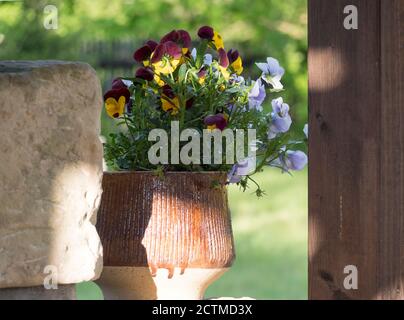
x=50, y=172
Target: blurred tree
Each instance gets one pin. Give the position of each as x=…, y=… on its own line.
x=258, y=28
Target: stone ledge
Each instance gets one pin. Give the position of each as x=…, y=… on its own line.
x=63, y=292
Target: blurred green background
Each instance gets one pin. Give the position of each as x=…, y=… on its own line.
x=270, y=233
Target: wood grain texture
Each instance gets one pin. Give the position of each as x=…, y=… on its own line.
x=391, y=218
x=356, y=190
x=177, y=221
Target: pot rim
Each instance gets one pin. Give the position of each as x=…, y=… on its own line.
x=166, y=172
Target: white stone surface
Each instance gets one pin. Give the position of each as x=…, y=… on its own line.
x=50, y=172
x=137, y=283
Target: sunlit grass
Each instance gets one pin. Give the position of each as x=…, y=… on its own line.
x=270, y=238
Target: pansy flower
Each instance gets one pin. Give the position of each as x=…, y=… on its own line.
x=280, y=118
x=256, y=96
x=169, y=102
x=235, y=79
x=217, y=121
x=235, y=61
x=202, y=75
x=118, y=83
x=211, y=35
x=143, y=54
x=295, y=160
x=241, y=169
x=189, y=103
x=115, y=100
x=165, y=59
x=180, y=37
x=224, y=63
x=145, y=73
x=170, y=105
x=291, y=160
x=272, y=73
x=207, y=58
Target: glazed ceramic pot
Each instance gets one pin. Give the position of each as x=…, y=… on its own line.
x=163, y=238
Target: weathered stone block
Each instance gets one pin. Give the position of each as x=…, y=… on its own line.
x=50, y=172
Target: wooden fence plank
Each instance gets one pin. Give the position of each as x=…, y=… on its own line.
x=356, y=150
x=391, y=250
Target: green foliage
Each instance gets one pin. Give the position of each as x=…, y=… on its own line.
x=257, y=28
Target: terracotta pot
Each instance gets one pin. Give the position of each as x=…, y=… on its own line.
x=163, y=238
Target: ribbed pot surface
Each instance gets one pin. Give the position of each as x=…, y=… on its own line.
x=180, y=220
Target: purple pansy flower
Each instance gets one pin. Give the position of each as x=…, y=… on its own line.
x=241, y=169
x=256, y=96
x=280, y=118
x=206, y=32
x=291, y=160
x=294, y=160
x=144, y=73
x=235, y=79
x=217, y=121
x=143, y=54
x=207, y=58
x=223, y=58
x=272, y=73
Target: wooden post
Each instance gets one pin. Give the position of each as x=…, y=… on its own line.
x=356, y=171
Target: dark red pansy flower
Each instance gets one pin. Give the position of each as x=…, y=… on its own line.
x=170, y=48
x=173, y=50
x=206, y=32
x=118, y=83
x=180, y=37
x=189, y=103
x=218, y=121
x=144, y=53
x=168, y=91
x=232, y=55
x=117, y=93
x=171, y=36
x=184, y=38
x=223, y=59
x=152, y=44
x=145, y=74
x=202, y=73
x=158, y=53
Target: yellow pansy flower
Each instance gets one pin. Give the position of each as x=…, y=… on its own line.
x=116, y=99
x=115, y=108
x=217, y=121
x=235, y=61
x=225, y=73
x=217, y=41
x=209, y=34
x=237, y=66
x=224, y=63
x=166, y=66
x=171, y=105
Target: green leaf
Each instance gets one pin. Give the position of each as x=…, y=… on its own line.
x=200, y=53
x=233, y=90
x=182, y=72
